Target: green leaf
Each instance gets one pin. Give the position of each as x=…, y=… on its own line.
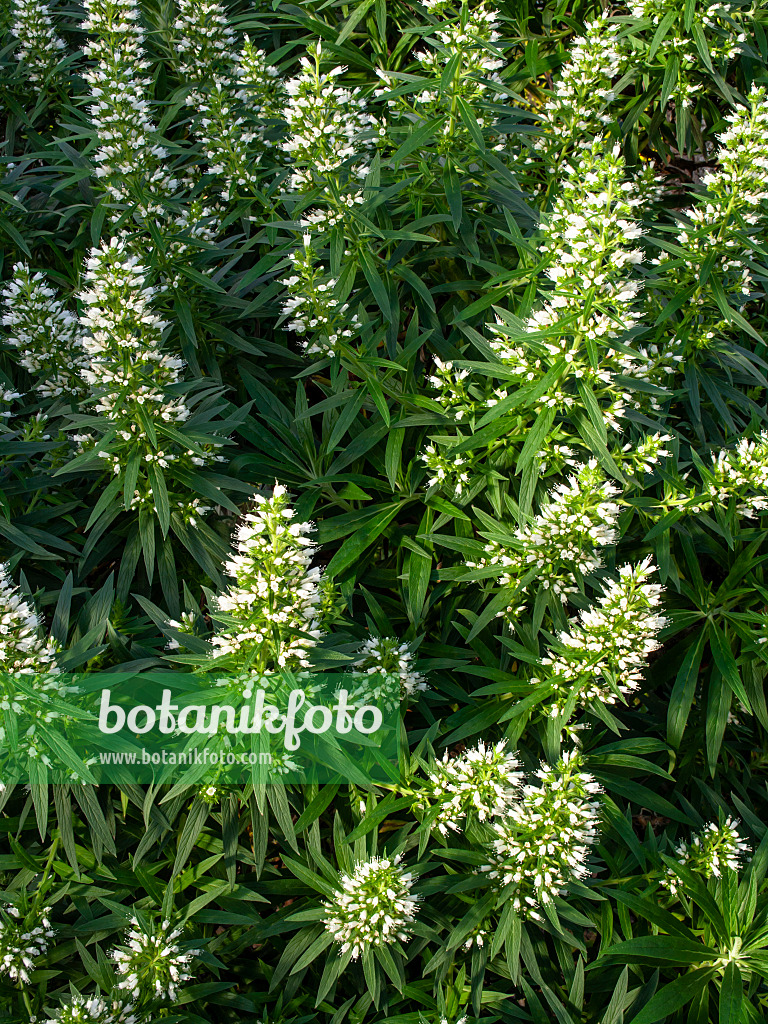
x=452, y=186
x=351, y=550
x=160, y=494
x=677, y=994
x=670, y=80
x=353, y=21
x=535, y=438
x=681, y=698
x=669, y=948
x=731, y=995
x=417, y=140
x=726, y=663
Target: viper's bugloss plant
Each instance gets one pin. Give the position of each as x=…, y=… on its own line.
x=423, y=345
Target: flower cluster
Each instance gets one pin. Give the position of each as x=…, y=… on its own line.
x=374, y=906
x=740, y=473
x=715, y=849
x=561, y=544
x=130, y=377
x=271, y=613
x=602, y=655
x=590, y=242
x=234, y=112
x=467, y=43
x=43, y=332
x=204, y=42
x=580, y=106
x=231, y=93
x=452, y=384
x=154, y=962
x=328, y=126
x=448, y=471
x=97, y=1010
x=23, y=941
x=7, y=397
x=721, y=24
x=725, y=225
x=40, y=47
x=130, y=160
x=324, y=322
x=227, y=137
x=127, y=369
x=22, y=647
x=386, y=657
x=260, y=87
x=543, y=842
x=646, y=453
x=483, y=784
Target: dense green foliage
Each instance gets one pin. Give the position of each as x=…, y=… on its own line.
x=483, y=287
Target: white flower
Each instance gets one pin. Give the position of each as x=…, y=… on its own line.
x=203, y=40
x=711, y=851
x=482, y=783
x=129, y=152
x=741, y=473
x=593, y=300
x=543, y=842
x=646, y=453
x=387, y=657
x=470, y=40
x=578, y=109
x=40, y=48
x=328, y=127
x=23, y=942
x=323, y=321
x=153, y=964
x=726, y=223
x=562, y=542
x=97, y=1010
x=23, y=649
x=277, y=593
x=44, y=334
x=374, y=906
x=602, y=656
x=129, y=374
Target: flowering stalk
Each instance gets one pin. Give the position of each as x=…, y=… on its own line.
x=130, y=377
x=560, y=546
x=24, y=940
x=23, y=648
x=374, y=906
x=722, y=25
x=40, y=47
x=388, y=659
x=590, y=241
x=716, y=848
x=543, y=842
x=481, y=784
x=204, y=41
x=328, y=127
x=230, y=93
x=740, y=473
x=153, y=963
x=130, y=160
x=43, y=332
x=271, y=614
x=98, y=1010
x=468, y=43
x=602, y=655
x=579, y=109
x=722, y=230
x=323, y=322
